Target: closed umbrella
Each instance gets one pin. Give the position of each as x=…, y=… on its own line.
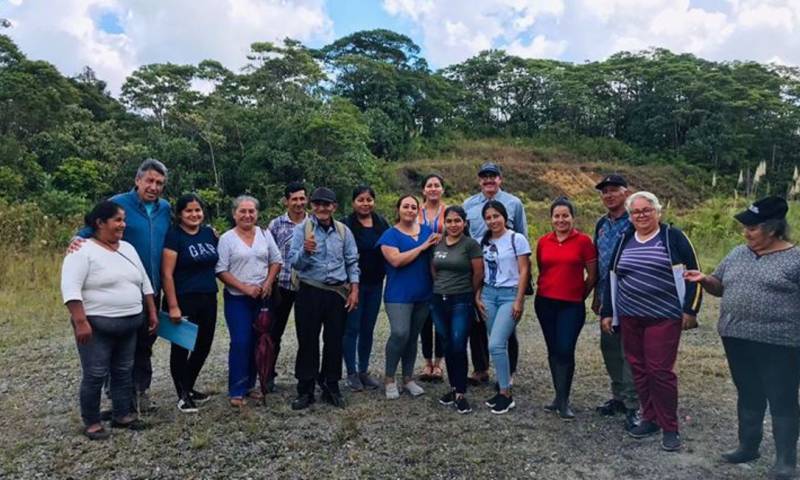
x=265, y=348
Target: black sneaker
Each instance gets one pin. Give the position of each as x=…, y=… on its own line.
x=187, y=405
x=503, y=404
x=448, y=398
x=493, y=401
x=333, y=398
x=671, y=442
x=199, y=397
x=644, y=429
x=631, y=419
x=551, y=407
x=303, y=401
x=462, y=405
x=611, y=408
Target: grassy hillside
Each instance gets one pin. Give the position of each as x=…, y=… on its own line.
x=538, y=172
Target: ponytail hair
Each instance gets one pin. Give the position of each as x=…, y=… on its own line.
x=102, y=212
x=562, y=202
x=501, y=209
x=458, y=210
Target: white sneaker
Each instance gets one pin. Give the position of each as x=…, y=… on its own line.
x=392, y=393
x=414, y=389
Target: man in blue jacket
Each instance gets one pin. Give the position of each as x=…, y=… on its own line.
x=147, y=219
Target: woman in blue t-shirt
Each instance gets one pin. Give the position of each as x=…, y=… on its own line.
x=408, y=291
x=190, y=288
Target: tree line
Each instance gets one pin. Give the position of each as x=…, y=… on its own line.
x=333, y=115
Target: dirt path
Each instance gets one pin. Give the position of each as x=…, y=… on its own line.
x=372, y=437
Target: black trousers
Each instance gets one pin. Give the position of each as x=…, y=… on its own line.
x=281, y=308
x=764, y=374
x=479, y=347
x=318, y=309
x=431, y=344
x=185, y=366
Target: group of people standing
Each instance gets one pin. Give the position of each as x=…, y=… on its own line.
x=464, y=270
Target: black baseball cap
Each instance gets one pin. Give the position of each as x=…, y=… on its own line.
x=612, y=179
x=489, y=168
x=768, y=208
x=323, y=194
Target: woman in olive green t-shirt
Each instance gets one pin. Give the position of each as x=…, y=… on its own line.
x=457, y=269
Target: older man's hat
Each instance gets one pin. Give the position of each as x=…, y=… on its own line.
x=769, y=208
x=489, y=168
x=613, y=179
x=323, y=194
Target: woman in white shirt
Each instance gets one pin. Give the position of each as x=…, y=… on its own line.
x=102, y=285
x=501, y=299
x=249, y=262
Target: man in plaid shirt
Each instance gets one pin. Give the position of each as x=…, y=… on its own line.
x=282, y=227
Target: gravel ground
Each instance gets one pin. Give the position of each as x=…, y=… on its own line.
x=372, y=437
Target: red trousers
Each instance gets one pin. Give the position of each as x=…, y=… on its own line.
x=651, y=347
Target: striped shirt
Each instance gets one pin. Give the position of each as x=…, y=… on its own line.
x=646, y=284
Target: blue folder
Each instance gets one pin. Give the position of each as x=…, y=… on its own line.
x=183, y=334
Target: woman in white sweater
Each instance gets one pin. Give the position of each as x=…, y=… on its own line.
x=103, y=286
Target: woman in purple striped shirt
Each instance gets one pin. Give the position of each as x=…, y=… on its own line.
x=651, y=302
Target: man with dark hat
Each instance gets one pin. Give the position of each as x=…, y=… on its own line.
x=324, y=256
x=609, y=228
x=490, y=178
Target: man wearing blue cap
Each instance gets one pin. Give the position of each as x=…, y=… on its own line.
x=490, y=178
x=324, y=255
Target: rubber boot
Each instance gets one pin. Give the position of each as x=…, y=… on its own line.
x=552, y=406
x=564, y=374
x=751, y=429
x=784, y=431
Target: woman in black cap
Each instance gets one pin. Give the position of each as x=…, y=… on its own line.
x=760, y=328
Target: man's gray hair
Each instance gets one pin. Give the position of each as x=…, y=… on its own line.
x=151, y=164
x=647, y=196
x=245, y=198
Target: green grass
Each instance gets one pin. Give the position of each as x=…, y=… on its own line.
x=30, y=297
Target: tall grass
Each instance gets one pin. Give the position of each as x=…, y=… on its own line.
x=30, y=302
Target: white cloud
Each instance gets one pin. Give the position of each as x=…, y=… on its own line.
x=540, y=47
x=454, y=30
x=178, y=31
x=579, y=30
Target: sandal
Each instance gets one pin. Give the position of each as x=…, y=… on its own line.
x=437, y=373
x=100, y=434
x=427, y=373
x=237, y=402
x=478, y=378
x=255, y=395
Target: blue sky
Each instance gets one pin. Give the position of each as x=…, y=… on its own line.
x=116, y=36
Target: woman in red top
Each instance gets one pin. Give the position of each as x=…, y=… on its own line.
x=567, y=263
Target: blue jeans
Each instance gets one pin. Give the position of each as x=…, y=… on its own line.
x=241, y=312
x=109, y=352
x=359, y=328
x=452, y=315
x=498, y=302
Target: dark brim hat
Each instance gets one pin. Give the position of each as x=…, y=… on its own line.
x=489, y=168
x=768, y=208
x=323, y=194
x=613, y=179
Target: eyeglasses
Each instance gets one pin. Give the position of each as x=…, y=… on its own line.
x=645, y=212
